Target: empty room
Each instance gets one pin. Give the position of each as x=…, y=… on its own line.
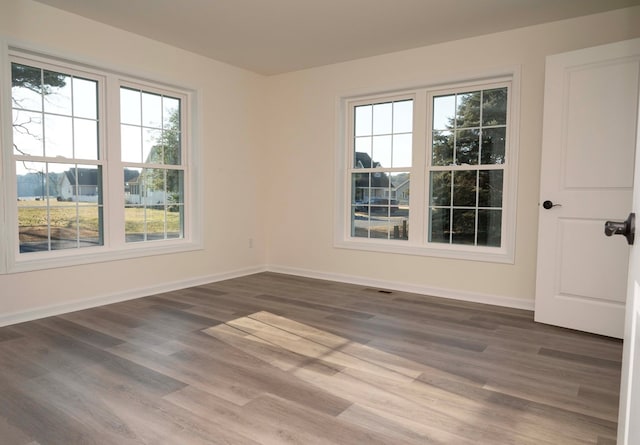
x=319, y=222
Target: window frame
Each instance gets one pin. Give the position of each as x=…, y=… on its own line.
x=115, y=246
x=418, y=243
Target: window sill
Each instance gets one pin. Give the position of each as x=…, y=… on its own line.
x=36, y=261
x=484, y=254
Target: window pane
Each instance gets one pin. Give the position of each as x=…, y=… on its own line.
x=26, y=87
x=85, y=98
x=171, y=112
x=363, y=120
x=152, y=149
x=175, y=222
x=402, y=150
x=27, y=133
x=468, y=109
x=362, y=158
x=444, y=110
x=464, y=188
x=90, y=225
x=379, y=226
x=464, y=226
x=130, y=102
x=439, y=222
x=440, y=188
x=489, y=228
x=131, y=143
x=494, y=107
x=172, y=145
x=33, y=222
x=62, y=220
x=134, y=223
x=360, y=188
x=467, y=147
x=493, y=145
x=175, y=187
x=381, y=151
x=57, y=97
x=151, y=110
x=360, y=221
x=490, y=188
x=403, y=116
x=442, y=153
x=382, y=118
x=58, y=132
x=85, y=139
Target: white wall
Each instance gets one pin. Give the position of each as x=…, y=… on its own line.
x=232, y=160
x=302, y=113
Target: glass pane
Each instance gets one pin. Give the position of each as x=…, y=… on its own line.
x=31, y=180
x=363, y=120
x=130, y=112
x=490, y=188
x=379, y=226
x=402, y=150
x=360, y=189
x=26, y=87
x=58, y=136
x=363, y=152
x=57, y=97
x=172, y=146
x=439, y=222
x=382, y=118
x=359, y=222
x=464, y=188
x=171, y=113
x=444, y=110
x=175, y=187
x=85, y=141
x=89, y=225
x=400, y=189
x=468, y=109
x=489, y=228
x=131, y=143
x=33, y=231
x=440, y=187
x=403, y=116
x=464, y=226
x=134, y=223
x=155, y=219
x=493, y=145
x=85, y=98
x=151, y=110
x=27, y=133
x=132, y=186
x=494, y=107
x=442, y=153
x=154, y=190
x=175, y=221
x=381, y=151
x=64, y=177
x=63, y=220
x=152, y=150
x=467, y=147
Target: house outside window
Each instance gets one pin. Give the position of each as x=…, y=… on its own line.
x=78, y=195
x=440, y=161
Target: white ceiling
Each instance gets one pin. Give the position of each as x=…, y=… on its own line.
x=276, y=36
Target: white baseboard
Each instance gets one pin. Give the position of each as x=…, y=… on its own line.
x=63, y=308
x=474, y=297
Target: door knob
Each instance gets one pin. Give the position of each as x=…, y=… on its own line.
x=548, y=204
x=626, y=228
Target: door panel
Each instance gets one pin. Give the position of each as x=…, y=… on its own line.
x=590, y=115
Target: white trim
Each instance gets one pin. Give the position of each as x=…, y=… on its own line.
x=451, y=294
x=63, y=308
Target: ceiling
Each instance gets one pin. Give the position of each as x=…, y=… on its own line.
x=277, y=36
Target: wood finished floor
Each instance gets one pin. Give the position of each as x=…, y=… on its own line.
x=275, y=359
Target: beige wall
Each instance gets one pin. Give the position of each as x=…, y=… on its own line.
x=302, y=112
x=268, y=153
x=231, y=154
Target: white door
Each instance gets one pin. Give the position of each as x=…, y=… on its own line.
x=590, y=116
x=629, y=418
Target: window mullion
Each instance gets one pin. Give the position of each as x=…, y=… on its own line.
x=113, y=197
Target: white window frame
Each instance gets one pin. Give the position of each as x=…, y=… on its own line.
x=115, y=247
x=418, y=244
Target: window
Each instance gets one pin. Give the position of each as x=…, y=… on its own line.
x=437, y=160
x=89, y=179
